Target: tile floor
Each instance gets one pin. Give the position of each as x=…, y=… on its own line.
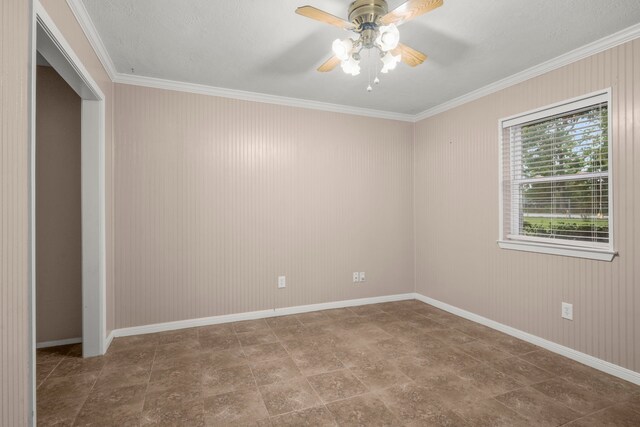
x=393, y=364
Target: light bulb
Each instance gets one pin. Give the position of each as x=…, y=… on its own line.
x=389, y=62
x=369, y=88
x=376, y=81
x=388, y=37
x=342, y=48
x=351, y=66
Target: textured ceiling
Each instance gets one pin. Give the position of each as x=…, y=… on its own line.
x=263, y=46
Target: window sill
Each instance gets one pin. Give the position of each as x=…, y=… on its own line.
x=570, y=251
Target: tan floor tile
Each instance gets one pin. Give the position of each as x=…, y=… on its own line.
x=521, y=370
x=514, y=345
x=339, y=313
x=217, y=342
x=120, y=406
x=362, y=411
x=550, y=362
x=241, y=408
x=417, y=405
x=219, y=329
x=451, y=336
x=537, y=408
x=264, y=352
x=78, y=365
x=133, y=356
x=72, y=386
x=250, y=325
x=264, y=336
x=365, y=310
x=283, y=321
x=291, y=332
x=135, y=341
x=187, y=414
x=452, y=390
x=125, y=376
x=483, y=351
x=573, y=396
x=491, y=413
x=452, y=359
x=353, y=355
x=289, y=396
x=378, y=374
x=316, y=417
x=43, y=369
x=616, y=416
x=178, y=336
x=391, y=348
x=52, y=354
x=274, y=371
x=601, y=384
x=217, y=381
x=178, y=394
x=316, y=362
x=186, y=347
x=489, y=380
x=336, y=385
x=449, y=361
x=312, y=317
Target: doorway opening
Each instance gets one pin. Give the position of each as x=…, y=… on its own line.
x=54, y=52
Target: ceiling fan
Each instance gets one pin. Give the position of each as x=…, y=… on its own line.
x=376, y=28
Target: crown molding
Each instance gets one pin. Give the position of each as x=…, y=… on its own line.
x=257, y=97
x=608, y=42
x=575, y=55
x=83, y=18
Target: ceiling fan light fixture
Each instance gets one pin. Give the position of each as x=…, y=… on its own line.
x=389, y=61
x=351, y=66
x=388, y=37
x=342, y=48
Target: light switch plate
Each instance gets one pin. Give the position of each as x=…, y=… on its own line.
x=567, y=311
x=362, y=276
x=282, y=282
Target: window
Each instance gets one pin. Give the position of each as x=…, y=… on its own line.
x=555, y=179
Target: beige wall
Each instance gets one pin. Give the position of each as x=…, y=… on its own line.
x=216, y=197
x=58, y=212
x=72, y=32
x=456, y=197
x=14, y=204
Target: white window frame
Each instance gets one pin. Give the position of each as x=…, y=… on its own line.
x=596, y=251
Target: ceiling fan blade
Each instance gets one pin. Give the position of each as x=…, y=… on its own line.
x=327, y=18
x=409, y=55
x=329, y=65
x=409, y=10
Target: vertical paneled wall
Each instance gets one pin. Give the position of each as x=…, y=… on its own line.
x=217, y=197
x=14, y=215
x=456, y=198
x=66, y=22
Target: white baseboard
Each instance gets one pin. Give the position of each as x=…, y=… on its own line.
x=107, y=341
x=56, y=343
x=594, y=362
x=251, y=315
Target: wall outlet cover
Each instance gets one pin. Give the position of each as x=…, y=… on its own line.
x=282, y=282
x=567, y=311
x=356, y=277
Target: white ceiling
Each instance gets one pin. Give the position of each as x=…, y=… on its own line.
x=263, y=46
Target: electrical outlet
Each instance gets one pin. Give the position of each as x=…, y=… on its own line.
x=567, y=311
x=282, y=282
x=356, y=277
x=362, y=276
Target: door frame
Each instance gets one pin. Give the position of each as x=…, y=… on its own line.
x=47, y=39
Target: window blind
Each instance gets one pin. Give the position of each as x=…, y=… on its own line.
x=556, y=175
